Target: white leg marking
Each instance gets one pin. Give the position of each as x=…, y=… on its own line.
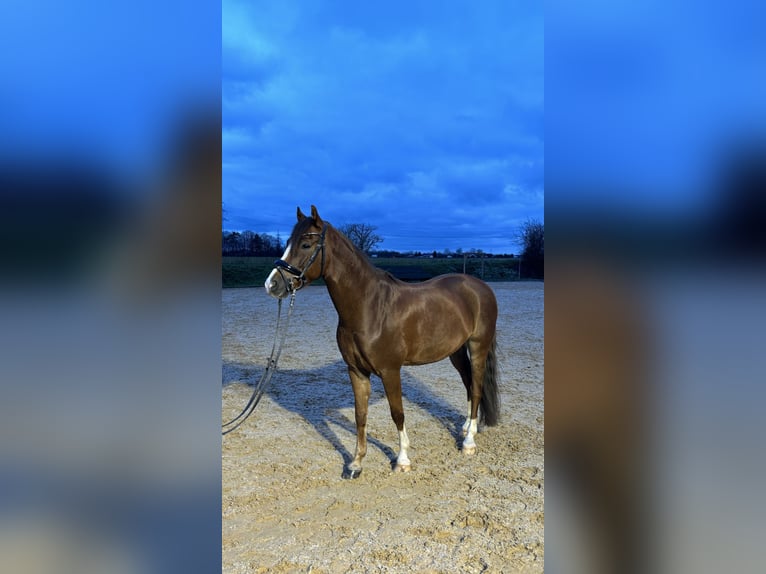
x=403, y=461
x=272, y=276
x=469, y=446
x=467, y=422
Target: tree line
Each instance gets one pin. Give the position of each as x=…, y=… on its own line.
x=244, y=243
x=531, y=236
x=249, y=243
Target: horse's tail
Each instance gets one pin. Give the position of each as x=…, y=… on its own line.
x=490, y=393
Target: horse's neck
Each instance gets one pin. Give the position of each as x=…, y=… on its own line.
x=349, y=277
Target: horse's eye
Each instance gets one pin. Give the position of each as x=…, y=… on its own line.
x=306, y=245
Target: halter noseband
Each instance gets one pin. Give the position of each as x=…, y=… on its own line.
x=281, y=265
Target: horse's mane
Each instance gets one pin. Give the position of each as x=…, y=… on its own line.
x=360, y=254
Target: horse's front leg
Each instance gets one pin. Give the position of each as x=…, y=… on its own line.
x=360, y=382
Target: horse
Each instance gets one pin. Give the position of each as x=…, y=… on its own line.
x=384, y=323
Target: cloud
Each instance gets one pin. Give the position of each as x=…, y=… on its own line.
x=390, y=112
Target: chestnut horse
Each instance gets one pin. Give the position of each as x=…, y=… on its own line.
x=384, y=323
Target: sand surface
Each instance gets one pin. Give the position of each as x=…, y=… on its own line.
x=286, y=507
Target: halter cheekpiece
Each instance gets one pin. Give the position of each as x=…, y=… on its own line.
x=283, y=266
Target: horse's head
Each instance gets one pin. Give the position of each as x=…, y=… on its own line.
x=303, y=259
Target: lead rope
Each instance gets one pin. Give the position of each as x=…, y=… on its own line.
x=261, y=385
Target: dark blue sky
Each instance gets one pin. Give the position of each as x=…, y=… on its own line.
x=423, y=118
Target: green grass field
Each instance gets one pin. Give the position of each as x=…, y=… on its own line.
x=252, y=271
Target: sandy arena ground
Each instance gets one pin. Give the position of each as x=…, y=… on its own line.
x=286, y=507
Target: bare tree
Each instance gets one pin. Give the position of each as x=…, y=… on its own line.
x=362, y=235
x=532, y=237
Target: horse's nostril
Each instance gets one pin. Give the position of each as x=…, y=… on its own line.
x=270, y=285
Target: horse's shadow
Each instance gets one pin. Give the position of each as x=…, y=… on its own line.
x=323, y=396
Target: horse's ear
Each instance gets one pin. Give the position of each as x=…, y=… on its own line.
x=315, y=215
x=300, y=214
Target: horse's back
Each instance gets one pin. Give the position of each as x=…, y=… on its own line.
x=456, y=302
x=468, y=288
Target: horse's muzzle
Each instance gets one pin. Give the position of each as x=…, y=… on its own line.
x=277, y=285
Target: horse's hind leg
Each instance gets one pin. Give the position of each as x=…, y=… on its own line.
x=462, y=363
x=479, y=350
x=392, y=383
x=360, y=382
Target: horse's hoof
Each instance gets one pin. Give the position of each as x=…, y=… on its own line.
x=348, y=473
x=402, y=468
x=469, y=450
